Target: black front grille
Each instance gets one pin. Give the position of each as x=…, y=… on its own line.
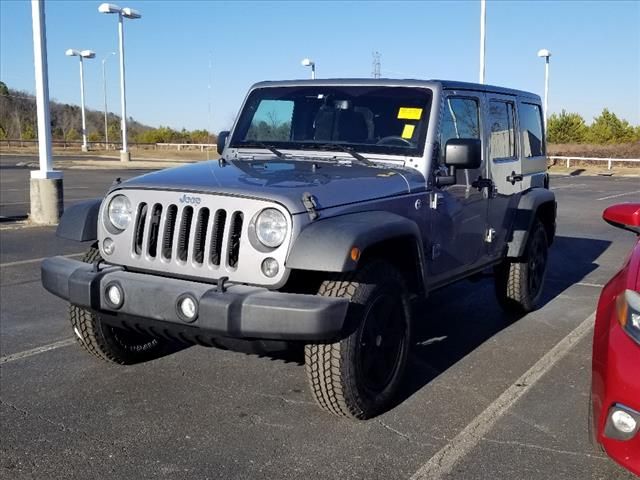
x=194, y=234
x=154, y=228
x=200, y=235
x=217, y=234
x=234, y=239
x=169, y=230
x=184, y=233
x=139, y=229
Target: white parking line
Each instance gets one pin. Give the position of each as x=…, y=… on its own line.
x=443, y=461
x=35, y=351
x=587, y=284
x=35, y=260
x=582, y=284
x=26, y=189
x=66, y=199
x=570, y=185
x=620, y=195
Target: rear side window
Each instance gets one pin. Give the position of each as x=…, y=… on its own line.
x=460, y=119
x=531, y=129
x=503, y=135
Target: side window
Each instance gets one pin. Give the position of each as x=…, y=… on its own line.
x=460, y=119
x=503, y=135
x=531, y=130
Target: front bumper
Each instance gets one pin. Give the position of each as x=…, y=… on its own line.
x=616, y=386
x=239, y=311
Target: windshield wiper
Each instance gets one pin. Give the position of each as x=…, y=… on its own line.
x=332, y=146
x=271, y=148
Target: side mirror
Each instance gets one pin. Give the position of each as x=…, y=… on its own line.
x=222, y=141
x=464, y=153
x=624, y=215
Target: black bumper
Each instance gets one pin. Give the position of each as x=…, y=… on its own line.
x=239, y=312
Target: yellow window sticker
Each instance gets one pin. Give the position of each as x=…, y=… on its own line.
x=406, y=113
x=407, y=132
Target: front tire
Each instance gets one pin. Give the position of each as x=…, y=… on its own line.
x=108, y=343
x=358, y=376
x=519, y=284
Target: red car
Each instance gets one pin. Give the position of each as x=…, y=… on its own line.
x=615, y=387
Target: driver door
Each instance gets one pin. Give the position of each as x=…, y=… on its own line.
x=459, y=219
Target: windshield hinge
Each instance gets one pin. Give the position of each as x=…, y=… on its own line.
x=310, y=205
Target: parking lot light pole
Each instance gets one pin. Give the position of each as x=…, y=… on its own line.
x=544, y=53
x=483, y=22
x=82, y=55
x=123, y=13
x=46, y=200
x=310, y=63
x=104, y=89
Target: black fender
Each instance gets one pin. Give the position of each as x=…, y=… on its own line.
x=530, y=203
x=325, y=245
x=80, y=221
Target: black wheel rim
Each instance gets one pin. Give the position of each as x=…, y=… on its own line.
x=381, y=342
x=537, y=264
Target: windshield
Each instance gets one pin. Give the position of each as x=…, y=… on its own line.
x=368, y=119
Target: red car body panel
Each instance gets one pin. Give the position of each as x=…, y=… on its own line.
x=616, y=365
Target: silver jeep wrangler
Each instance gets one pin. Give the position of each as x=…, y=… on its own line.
x=333, y=205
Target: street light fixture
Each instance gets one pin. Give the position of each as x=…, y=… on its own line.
x=131, y=14
x=310, y=63
x=104, y=89
x=82, y=54
x=544, y=53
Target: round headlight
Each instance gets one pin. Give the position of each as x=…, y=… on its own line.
x=271, y=227
x=120, y=212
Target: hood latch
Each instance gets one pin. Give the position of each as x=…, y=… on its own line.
x=310, y=205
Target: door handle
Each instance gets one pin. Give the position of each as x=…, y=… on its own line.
x=514, y=177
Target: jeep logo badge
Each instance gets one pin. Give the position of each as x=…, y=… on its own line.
x=190, y=200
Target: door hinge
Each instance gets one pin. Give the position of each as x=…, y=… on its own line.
x=435, y=199
x=435, y=251
x=490, y=235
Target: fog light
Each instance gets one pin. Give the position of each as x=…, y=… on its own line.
x=270, y=267
x=623, y=422
x=114, y=295
x=187, y=308
x=108, y=246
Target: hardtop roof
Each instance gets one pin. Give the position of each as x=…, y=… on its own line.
x=442, y=84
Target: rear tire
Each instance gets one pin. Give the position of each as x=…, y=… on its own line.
x=519, y=283
x=108, y=343
x=358, y=376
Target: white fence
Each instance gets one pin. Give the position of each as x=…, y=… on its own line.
x=187, y=146
x=594, y=159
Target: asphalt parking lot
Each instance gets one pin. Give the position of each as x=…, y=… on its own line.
x=487, y=396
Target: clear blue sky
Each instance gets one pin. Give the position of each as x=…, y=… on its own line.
x=595, y=46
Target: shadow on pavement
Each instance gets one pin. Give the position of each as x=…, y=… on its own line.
x=457, y=319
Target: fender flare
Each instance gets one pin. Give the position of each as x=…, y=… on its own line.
x=526, y=212
x=79, y=222
x=325, y=245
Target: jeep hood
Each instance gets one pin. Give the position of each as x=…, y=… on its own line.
x=285, y=181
